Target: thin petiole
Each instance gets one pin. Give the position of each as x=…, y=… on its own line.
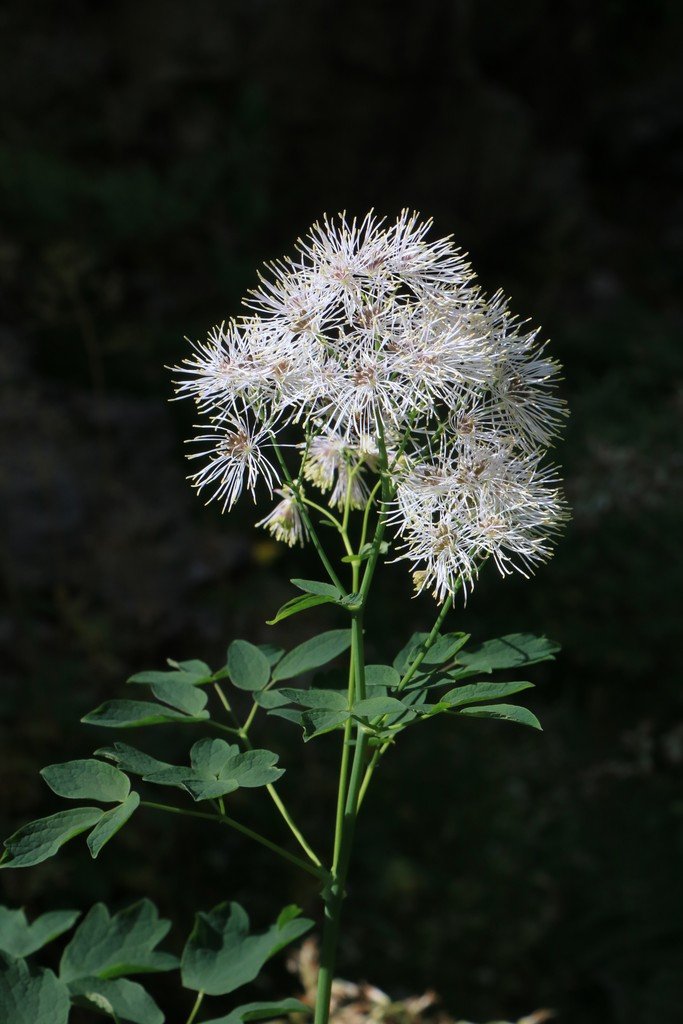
x=224, y=819
x=195, y=1009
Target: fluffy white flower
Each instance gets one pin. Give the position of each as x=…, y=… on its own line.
x=284, y=522
x=375, y=338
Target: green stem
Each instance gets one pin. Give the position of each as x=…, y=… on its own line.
x=241, y=732
x=195, y=1009
x=224, y=819
x=296, y=490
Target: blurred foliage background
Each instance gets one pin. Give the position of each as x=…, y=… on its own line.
x=152, y=155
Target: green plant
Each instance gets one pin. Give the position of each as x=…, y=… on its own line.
x=425, y=413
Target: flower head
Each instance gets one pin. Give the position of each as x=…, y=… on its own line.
x=376, y=342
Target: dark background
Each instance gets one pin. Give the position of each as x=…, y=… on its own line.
x=152, y=155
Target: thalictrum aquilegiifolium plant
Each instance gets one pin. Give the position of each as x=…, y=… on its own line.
x=373, y=389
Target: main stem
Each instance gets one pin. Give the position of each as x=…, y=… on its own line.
x=347, y=812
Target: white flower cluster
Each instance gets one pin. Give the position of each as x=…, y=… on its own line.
x=378, y=344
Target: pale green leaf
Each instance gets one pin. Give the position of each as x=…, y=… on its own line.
x=110, y=947
x=272, y=653
x=313, y=653
x=19, y=938
x=371, y=707
x=248, y=667
x=31, y=996
x=41, y=839
x=179, y=676
x=220, y=954
x=87, y=780
x=183, y=696
x=110, y=823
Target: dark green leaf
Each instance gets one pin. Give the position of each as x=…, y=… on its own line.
x=474, y=693
x=288, y=713
x=381, y=675
x=262, y=1011
x=444, y=648
x=248, y=667
x=505, y=712
x=270, y=699
x=198, y=668
x=313, y=653
x=128, y=714
x=329, y=700
x=407, y=653
x=131, y=760
x=296, y=605
x=19, y=938
x=218, y=768
x=221, y=955
x=319, y=589
x=272, y=653
x=31, y=996
x=110, y=822
x=371, y=707
x=121, y=999
x=109, y=947
x=179, y=676
x=41, y=839
x=510, y=651
x=317, y=723
x=87, y=780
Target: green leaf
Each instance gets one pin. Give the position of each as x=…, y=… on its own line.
x=218, y=768
x=371, y=707
x=473, y=693
x=444, y=648
x=248, y=667
x=110, y=823
x=19, y=938
x=381, y=675
x=128, y=714
x=505, y=712
x=121, y=999
x=196, y=667
x=270, y=699
x=510, y=651
x=109, y=947
x=87, y=780
x=407, y=653
x=180, y=676
x=220, y=954
x=183, y=696
x=319, y=589
x=296, y=605
x=31, y=996
x=131, y=760
x=331, y=700
x=262, y=1011
x=272, y=653
x=317, y=723
x=41, y=839
x=289, y=714
x=313, y=653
